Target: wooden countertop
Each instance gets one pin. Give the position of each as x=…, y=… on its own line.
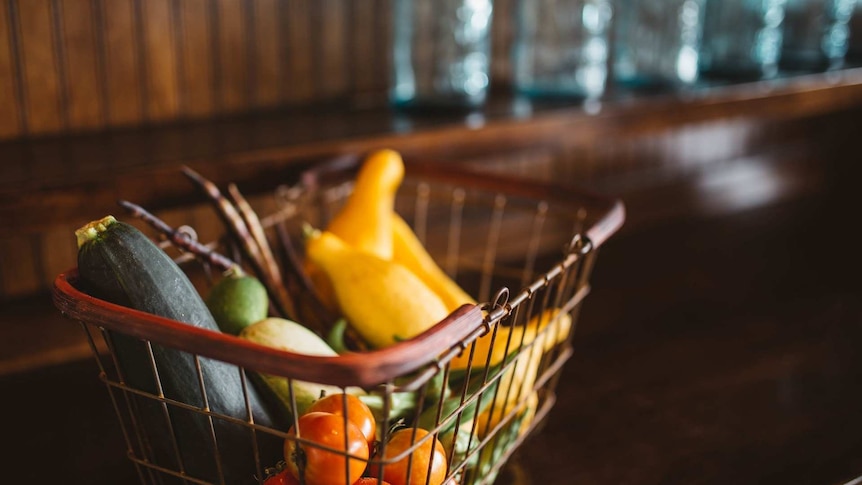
x=716, y=353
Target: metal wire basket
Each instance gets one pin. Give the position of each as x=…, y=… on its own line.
x=524, y=249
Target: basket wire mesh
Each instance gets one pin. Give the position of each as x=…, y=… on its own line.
x=490, y=234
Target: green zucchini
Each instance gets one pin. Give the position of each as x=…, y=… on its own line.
x=120, y=264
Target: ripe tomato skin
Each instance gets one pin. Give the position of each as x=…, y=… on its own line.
x=324, y=467
x=358, y=412
x=430, y=452
x=371, y=481
x=282, y=478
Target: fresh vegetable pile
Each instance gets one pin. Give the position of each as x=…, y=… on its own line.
x=363, y=281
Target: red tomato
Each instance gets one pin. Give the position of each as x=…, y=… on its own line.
x=371, y=481
x=282, y=478
x=357, y=412
x=430, y=452
x=321, y=466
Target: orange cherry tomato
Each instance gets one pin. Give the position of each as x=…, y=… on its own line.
x=357, y=412
x=430, y=452
x=321, y=466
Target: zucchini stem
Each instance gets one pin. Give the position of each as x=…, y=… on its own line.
x=91, y=230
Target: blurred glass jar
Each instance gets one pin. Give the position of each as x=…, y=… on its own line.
x=657, y=42
x=441, y=53
x=562, y=48
x=816, y=34
x=741, y=39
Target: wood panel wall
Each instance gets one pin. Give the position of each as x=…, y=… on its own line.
x=84, y=65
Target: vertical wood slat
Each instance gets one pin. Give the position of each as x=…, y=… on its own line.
x=84, y=106
x=233, y=71
x=333, y=70
x=159, y=58
x=10, y=123
x=365, y=47
x=42, y=88
x=267, y=53
x=196, y=81
x=58, y=30
x=368, y=47
x=100, y=51
x=122, y=66
x=298, y=83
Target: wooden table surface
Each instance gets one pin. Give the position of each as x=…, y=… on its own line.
x=712, y=351
x=717, y=353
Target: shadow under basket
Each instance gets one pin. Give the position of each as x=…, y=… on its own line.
x=523, y=249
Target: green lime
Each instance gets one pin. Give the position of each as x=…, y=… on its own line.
x=237, y=301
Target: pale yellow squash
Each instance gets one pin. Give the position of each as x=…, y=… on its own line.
x=365, y=220
x=409, y=251
x=383, y=301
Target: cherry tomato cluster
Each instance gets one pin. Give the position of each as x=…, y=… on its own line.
x=343, y=422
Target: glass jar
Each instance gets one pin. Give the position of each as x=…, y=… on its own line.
x=441, y=53
x=562, y=48
x=741, y=39
x=816, y=34
x=657, y=42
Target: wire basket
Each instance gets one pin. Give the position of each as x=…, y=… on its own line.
x=525, y=249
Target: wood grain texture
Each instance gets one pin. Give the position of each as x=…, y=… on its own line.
x=84, y=105
x=123, y=63
x=56, y=248
x=299, y=85
x=333, y=74
x=87, y=65
x=197, y=77
x=10, y=124
x=159, y=54
x=232, y=70
x=363, y=53
x=21, y=266
x=42, y=84
x=266, y=51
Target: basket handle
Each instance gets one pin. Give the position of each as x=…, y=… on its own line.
x=361, y=369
